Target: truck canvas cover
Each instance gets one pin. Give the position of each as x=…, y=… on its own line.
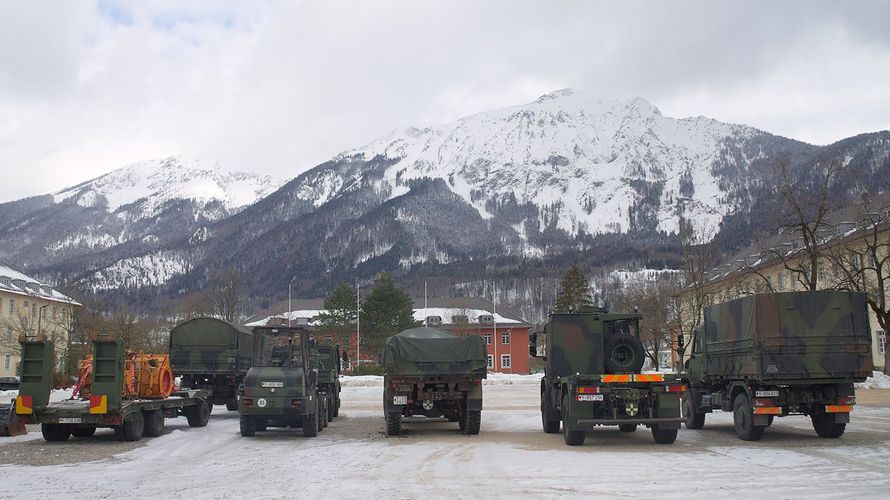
x=208, y=345
x=790, y=335
x=428, y=351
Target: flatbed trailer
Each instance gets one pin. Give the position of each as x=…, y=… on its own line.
x=105, y=407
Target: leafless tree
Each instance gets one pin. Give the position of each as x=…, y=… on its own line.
x=224, y=295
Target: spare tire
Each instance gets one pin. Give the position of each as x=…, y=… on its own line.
x=624, y=354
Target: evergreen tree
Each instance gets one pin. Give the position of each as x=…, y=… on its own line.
x=574, y=293
x=340, y=311
x=386, y=311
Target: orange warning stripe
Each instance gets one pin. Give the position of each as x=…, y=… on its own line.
x=649, y=377
x=98, y=404
x=24, y=405
x=838, y=408
x=768, y=410
x=616, y=378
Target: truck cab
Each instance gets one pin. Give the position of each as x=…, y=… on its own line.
x=281, y=389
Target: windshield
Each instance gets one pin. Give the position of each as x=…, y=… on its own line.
x=281, y=349
x=622, y=327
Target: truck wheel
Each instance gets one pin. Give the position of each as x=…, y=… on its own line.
x=232, y=405
x=572, y=438
x=310, y=425
x=664, y=436
x=248, y=426
x=154, y=423
x=198, y=415
x=133, y=427
x=693, y=420
x=551, y=426
x=83, y=431
x=472, y=421
x=627, y=427
x=55, y=432
x=743, y=419
x=624, y=354
x=337, y=405
x=330, y=411
x=393, y=423
x=825, y=427
x=322, y=415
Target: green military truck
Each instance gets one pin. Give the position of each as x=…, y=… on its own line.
x=326, y=359
x=212, y=354
x=779, y=354
x=130, y=418
x=433, y=373
x=281, y=389
x=592, y=377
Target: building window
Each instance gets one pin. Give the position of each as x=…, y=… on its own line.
x=505, y=338
x=505, y=361
x=55, y=313
x=11, y=306
x=491, y=361
x=9, y=334
x=882, y=342
x=33, y=309
x=781, y=281
x=7, y=361
x=487, y=338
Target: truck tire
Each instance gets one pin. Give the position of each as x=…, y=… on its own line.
x=693, y=420
x=248, y=426
x=623, y=354
x=550, y=424
x=55, y=432
x=232, y=405
x=310, y=424
x=331, y=405
x=743, y=419
x=664, y=436
x=322, y=415
x=572, y=438
x=393, y=423
x=823, y=424
x=154, y=423
x=197, y=415
x=84, y=431
x=132, y=428
x=472, y=421
x=337, y=405
x=627, y=427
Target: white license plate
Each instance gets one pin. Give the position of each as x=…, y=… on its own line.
x=590, y=397
x=400, y=400
x=273, y=384
x=766, y=394
x=69, y=420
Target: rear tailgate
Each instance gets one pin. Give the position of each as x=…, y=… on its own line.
x=626, y=399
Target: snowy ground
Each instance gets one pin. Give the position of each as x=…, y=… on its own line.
x=352, y=458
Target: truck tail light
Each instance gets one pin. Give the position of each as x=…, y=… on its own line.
x=247, y=401
x=763, y=402
x=296, y=402
x=675, y=388
x=846, y=400
x=588, y=390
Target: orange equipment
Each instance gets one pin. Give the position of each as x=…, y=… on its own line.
x=84, y=385
x=146, y=376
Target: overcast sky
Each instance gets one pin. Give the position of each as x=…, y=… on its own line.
x=278, y=87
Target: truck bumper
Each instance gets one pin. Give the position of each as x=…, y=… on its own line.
x=663, y=423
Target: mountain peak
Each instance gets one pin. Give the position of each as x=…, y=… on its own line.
x=556, y=94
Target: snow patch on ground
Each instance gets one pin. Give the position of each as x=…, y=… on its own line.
x=878, y=380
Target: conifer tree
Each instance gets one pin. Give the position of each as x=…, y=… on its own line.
x=574, y=292
x=340, y=311
x=386, y=311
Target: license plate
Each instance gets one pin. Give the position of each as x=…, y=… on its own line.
x=766, y=394
x=273, y=384
x=69, y=420
x=400, y=400
x=590, y=397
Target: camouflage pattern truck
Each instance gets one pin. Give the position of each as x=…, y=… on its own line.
x=212, y=354
x=433, y=373
x=326, y=359
x=592, y=377
x=281, y=389
x=779, y=354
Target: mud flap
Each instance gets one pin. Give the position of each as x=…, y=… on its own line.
x=10, y=423
x=668, y=406
x=842, y=418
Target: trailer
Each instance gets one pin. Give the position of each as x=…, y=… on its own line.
x=105, y=406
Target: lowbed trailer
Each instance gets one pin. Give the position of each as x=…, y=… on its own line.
x=105, y=407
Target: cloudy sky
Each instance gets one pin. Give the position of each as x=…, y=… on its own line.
x=277, y=87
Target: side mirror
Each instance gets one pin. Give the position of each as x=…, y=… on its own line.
x=681, y=345
x=533, y=345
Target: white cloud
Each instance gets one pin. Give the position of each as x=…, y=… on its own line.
x=278, y=87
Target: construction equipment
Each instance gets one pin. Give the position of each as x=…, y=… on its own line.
x=10, y=424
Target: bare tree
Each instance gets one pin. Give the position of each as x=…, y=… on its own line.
x=862, y=263
x=699, y=257
x=224, y=295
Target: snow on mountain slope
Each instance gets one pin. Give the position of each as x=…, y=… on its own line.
x=584, y=162
x=143, y=188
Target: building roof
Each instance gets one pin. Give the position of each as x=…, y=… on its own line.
x=16, y=282
x=446, y=308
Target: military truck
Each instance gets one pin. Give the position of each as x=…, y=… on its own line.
x=779, y=354
x=592, y=377
x=212, y=354
x=116, y=398
x=433, y=373
x=281, y=389
x=326, y=359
